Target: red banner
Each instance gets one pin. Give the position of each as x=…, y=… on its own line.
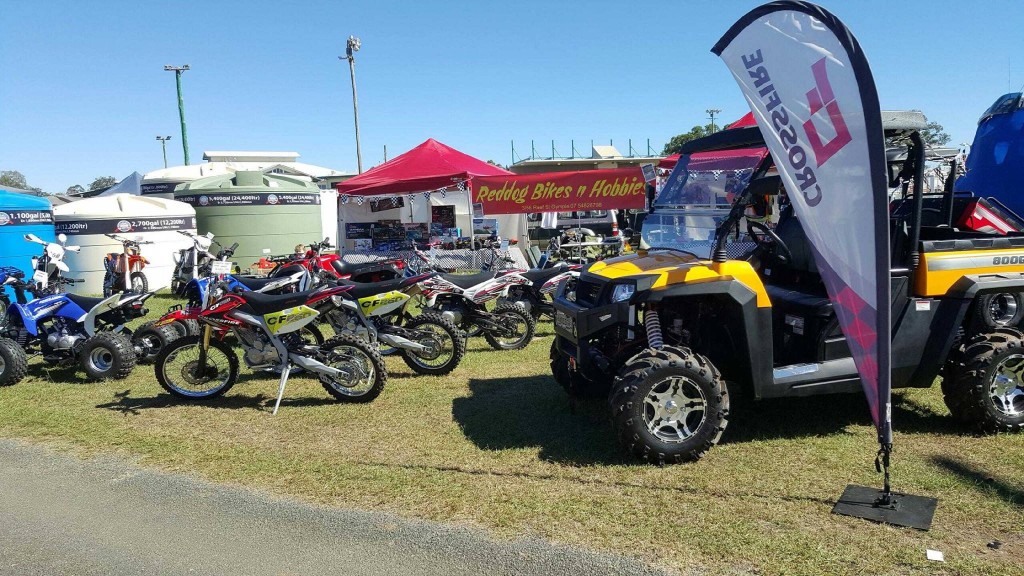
x=561, y=191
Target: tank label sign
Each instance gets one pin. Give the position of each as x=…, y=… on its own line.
x=125, y=225
x=25, y=217
x=281, y=199
x=158, y=188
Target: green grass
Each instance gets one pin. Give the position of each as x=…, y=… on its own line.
x=495, y=445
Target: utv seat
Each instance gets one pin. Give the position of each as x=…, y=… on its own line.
x=364, y=289
x=541, y=275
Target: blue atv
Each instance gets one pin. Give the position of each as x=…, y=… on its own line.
x=68, y=329
x=13, y=362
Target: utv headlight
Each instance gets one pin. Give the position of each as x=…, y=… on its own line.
x=623, y=292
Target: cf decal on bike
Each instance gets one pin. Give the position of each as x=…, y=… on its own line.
x=277, y=321
x=371, y=304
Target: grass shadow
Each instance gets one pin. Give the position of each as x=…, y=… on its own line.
x=125, y=403
x=533, y=412
x=982, y=481
x=783, y=418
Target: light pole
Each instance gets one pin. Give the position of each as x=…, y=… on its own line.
x=711, y=113
x=181, y=105
x=350, y=54
x=163, y=144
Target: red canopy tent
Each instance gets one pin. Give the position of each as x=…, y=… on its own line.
x=669, y=162
x=429, y=166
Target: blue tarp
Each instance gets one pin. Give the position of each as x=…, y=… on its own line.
x=995, y=166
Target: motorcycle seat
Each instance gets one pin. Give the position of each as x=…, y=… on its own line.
x=262, y=304
x=364, y=289
x=253, y=283
x=84, y=302
x=466, y=281
x=347, y=268
x=541, y=275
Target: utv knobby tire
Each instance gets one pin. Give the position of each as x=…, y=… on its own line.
x=151, y=339
x=380, y=371
x=15, y=363
x=191, y=327
x=450, y=330
x=575, y=384
x=192, y=341
x=523, y=315
x=107, y=356
x=998, y=310
x=652, y=370
x=968, y=393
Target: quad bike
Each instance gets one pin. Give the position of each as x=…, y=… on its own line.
x=430, y=343
x=462, y=299
x=68, y=329
x=123, y=271
x=678, y=334
x=267, y=328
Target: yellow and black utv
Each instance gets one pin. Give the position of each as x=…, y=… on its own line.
x=725, y=302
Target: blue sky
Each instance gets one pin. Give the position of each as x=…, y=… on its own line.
x=83, y=92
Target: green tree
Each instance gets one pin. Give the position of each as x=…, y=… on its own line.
x=678, y=140
x=102, y=182
x=14, y=179
x=935, y=135
x=76, y=189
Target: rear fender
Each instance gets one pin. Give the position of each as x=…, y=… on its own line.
x=178, y=316
x=88, y=321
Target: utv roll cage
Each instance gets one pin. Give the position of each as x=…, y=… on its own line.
x=896, y=126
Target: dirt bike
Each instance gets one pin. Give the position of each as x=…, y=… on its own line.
x=315, y=260
x=267, y=328
x=124, y=269
x=429, y=343
x=462, y=299
x=193, y=262
x=50, y=266
x=536, y=296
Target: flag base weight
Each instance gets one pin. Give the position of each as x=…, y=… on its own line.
x=899, y=509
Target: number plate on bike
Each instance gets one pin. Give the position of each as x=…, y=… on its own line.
x=220, y=267
x=565, y=322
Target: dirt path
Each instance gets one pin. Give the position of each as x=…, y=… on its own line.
x=61, y=515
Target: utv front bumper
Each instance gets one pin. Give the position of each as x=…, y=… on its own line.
x=587, y=309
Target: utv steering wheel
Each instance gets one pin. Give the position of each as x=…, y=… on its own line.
x=775, y=246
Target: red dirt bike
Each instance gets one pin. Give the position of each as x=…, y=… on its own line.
x=124, y=269
x=315, y=260
x=268, y=329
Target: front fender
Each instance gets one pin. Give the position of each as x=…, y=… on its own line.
x=18, y=313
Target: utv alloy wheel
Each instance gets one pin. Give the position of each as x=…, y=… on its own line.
x=986, y=388
x=1005, y=309
x=669, y=405
x=675, y=409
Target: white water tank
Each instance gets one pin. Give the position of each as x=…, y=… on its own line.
x=158, y=220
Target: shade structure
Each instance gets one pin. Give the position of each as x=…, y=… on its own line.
x=429, y=166
x=87, y=223
x=22, y=214
x=259, y=211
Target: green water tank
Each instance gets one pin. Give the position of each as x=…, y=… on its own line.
x=259, y=211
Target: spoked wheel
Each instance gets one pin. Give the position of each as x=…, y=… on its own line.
x=516, y=331
x=444, y=345
x=179, y=372
x=362, y=371
x=139, y=283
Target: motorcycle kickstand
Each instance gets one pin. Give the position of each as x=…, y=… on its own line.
x=280, y=389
